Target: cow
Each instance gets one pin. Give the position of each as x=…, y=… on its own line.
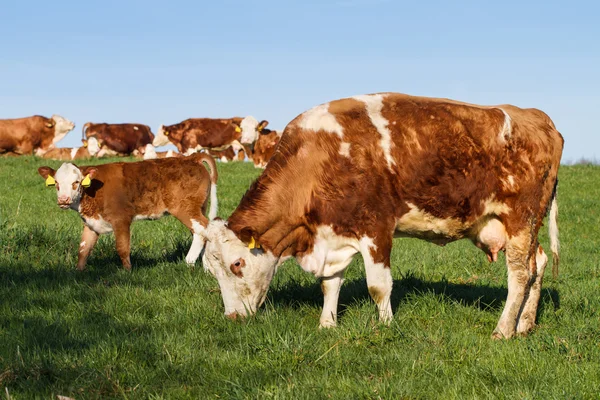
x=150, y=153
x=119, y=139
x=89, y=149
x=350, y=175
x=110, y=197
x=194, y=134
x=32, y=135
x=265, y=147
x=229, y=154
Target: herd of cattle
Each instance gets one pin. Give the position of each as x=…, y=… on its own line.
x=225, y=139
x=346, y=177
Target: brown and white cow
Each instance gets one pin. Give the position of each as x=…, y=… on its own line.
x=195, y=134
x=229, y=154
x=123, y=139
x=265, y=147
x=110, y=197
x=32, y=135
x=89, y=149
x=350, y=175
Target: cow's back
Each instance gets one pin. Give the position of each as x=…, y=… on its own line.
x=22, y=135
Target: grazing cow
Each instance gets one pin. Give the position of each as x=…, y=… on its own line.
x=110, y=197
x=265, y=147
x=122, y=139
x=89, y=149
x=350, y=175
x=150, y=153
x=194, y=134
x=32, y=135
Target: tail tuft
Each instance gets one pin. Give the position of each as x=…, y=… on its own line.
x=214, y=175
x=553, y=233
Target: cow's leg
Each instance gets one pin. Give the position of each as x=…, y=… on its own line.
x=198, y=241
x=528, y=313
x=517, y=257
x=88, y=241
x=123, y=239
x=331, y=292
x=379, y=275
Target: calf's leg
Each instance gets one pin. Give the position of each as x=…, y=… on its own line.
x=88, y=241
x=123, y=239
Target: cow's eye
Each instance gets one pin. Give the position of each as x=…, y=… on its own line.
x=75, y=185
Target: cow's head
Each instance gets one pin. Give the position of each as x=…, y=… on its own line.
x=150, y=152
x=265, y=147
x=251, y=128
x=162, y=137
x=92, y=145
x=69, y=181
x=61, y=126
x=243, y=271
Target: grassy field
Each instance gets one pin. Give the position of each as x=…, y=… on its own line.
x=159, y=331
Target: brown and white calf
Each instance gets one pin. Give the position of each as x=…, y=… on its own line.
x=32, y=135
x=350, y=175
x=123, y=139
x=195, y=134
x=265, y=147
x=110, y=197
x=89, y=149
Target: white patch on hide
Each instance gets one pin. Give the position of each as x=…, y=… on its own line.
x=320, y=119
x=345, y=149
x=374, y=105
x=331, y=253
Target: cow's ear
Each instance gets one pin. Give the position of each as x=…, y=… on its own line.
x=262, y=125
x=50, y=123
x=237, y=127
x=89, y=171
x=45, y=172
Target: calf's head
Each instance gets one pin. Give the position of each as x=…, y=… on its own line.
x=251, y=128
x=69, y=181
x=61, y=126
x=243, y=271
x=162, y=137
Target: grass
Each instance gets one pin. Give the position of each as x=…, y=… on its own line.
x=159, y=331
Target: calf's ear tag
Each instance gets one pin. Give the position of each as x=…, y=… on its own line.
x=50, y=181
x=85, y=143
x=86, y=182
x=238, y=129
x=166, y=133
x=253, y=245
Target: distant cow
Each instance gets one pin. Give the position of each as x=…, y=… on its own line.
x=89, y=149
x=229, y=154
x=110, y=197
x=350, y=175
x=150, y=153
x=265, y=147
x=121, y=139
x=32, y=135
x=195, y=134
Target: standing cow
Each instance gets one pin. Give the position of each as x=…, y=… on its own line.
x=194, y=134
x=32, y=135
x=350, y=175
x=121, y=139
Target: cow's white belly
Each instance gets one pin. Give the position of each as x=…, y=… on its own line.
x=98, y=225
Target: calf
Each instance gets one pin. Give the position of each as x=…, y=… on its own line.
x=194, y=134
x=350, y=175
x=122, y=139
x=32, y=135
x=265, y=147
x=89, y=149
x=110, y=197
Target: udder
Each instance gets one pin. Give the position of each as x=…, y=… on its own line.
x=491, y=238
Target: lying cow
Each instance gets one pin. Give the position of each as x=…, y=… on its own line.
x=119, y=139
x=228, y=154
x=32, y=135
x=195, y=134
x=110, y=197
x=89, y=149
x=265, y=147
x=150, y=153
x=350, y=175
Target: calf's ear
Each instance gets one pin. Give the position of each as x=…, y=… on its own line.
x=48, y=174
x=262, y=125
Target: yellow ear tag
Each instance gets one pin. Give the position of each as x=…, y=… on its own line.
x=86, y=182
x=259, y=128
x=253, y=245
x=50, y=181
x=166, y=133
x=85, y=143
x=238, y=129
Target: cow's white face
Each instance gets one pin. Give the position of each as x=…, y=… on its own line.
x=251, y=129
x=150, y=152
x=93, y=146
x=244, y=275
x=161, y=138
x=62, y=126
x=67, y=180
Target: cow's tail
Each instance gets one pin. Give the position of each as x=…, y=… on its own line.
x=214, y=175
x=83, y=129
x=553, y=232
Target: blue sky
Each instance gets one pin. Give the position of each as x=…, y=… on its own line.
x=162, y=62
